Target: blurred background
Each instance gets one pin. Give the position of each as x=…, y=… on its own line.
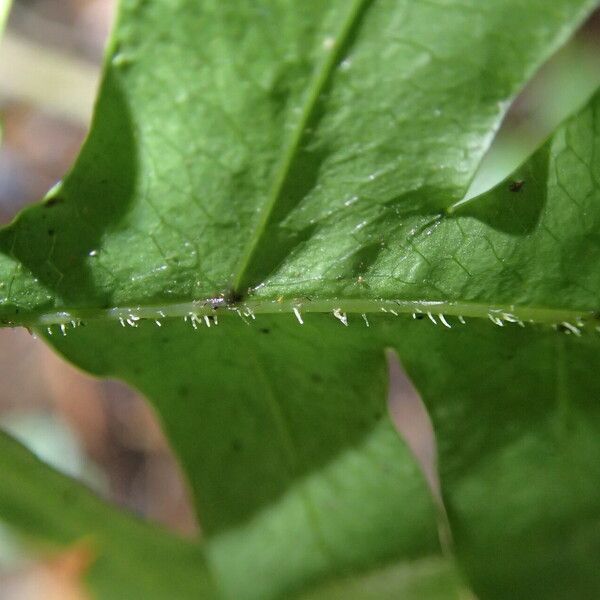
x=98, y=431
x=102, y=432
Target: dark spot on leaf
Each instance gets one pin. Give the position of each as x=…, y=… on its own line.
x=51, y=202
x=232, y=297
x=419, y=316
x=236, y=445
x=51, y=232
x=265, y=330
x=516, y=185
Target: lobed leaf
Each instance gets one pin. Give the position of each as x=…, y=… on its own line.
x=311, y=157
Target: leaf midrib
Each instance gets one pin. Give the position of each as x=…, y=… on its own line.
x=319, y=80
x=434, y=310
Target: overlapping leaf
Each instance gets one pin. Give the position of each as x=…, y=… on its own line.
x=130, y=559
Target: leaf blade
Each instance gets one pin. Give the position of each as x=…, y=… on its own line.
x=157, y=203
x=168, y=216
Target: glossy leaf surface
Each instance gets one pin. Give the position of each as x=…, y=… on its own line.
x=231, y=170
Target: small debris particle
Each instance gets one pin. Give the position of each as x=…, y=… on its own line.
x=232, y=297
x=516, y=185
